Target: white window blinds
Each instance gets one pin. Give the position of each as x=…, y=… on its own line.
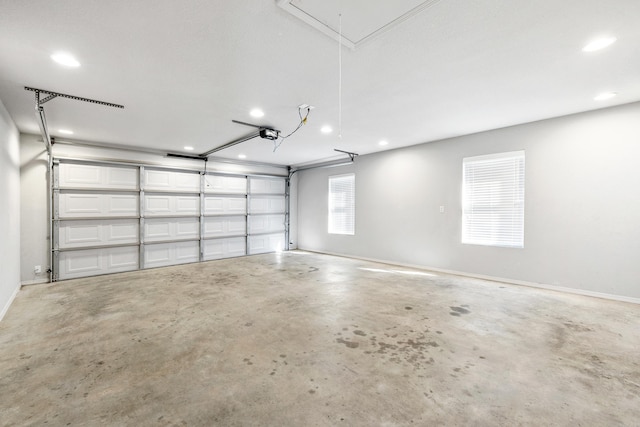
x=493, y=200
x=342, y=204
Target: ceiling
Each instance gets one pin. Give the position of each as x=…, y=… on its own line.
x=183, y=70
x=362, y=23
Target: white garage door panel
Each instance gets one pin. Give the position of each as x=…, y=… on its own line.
x=156, y=230
x=225, y=226
x=98, y=176
x=266, y=186
x=78, y=205
x=171, y=205
x=225, y=184
x=225, y=205
x=123, y=204
x=92, y=262
x=171, y=253
x=266, y=243
x=224, y=248
x=266, y=223
x=162, y=180
x=266, y=204
x=74, y=234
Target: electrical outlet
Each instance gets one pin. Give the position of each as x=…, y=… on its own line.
x=441, y=209
x=37, y=269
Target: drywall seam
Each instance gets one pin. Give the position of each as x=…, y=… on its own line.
x=9, y=302
x=563, y=289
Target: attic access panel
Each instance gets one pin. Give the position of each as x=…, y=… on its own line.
x=361, y=20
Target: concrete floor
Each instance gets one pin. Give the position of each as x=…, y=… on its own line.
x=299, y=339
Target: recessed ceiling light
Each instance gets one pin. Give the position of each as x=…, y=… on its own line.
x=326, y=129
x=65, y=131
x=242, y=156
x=256, y=112
x=598, y=44
x=65, y=59
x=188, y=148
x=605, y=96
x=383, y=142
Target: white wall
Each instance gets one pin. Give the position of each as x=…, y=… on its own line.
x=34, y=237
x=582, y=205
x=10, y=211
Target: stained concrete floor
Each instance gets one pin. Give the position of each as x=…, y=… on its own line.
x=299, y=339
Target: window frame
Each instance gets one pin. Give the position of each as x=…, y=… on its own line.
x=493, y=200
x=348, y=219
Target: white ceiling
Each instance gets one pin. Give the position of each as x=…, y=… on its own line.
x=361, y=21
x=185, y=69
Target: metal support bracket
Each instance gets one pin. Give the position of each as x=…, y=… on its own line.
x=350, y=154
x=44, y=100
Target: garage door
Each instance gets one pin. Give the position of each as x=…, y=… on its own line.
x=111, y=218
x=266, y=220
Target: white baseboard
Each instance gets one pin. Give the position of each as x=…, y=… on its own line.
x=8, y=304
x=34, y=282
x=494, y=279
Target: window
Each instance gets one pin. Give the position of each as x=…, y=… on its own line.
x=342, y=201
x=493, y=200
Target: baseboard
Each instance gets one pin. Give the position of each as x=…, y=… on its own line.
x=8, y=304
x=34, y=282
x=593, y=294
